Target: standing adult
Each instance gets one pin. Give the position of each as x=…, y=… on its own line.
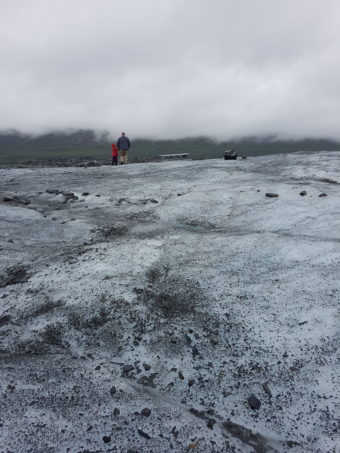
x=123, y=144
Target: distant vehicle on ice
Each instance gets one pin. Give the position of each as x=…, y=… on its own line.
x=230, y=154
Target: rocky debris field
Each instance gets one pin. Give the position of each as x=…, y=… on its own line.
x=175, y=306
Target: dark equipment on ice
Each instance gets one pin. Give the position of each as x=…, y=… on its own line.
x=180, y=156
x=230, y=154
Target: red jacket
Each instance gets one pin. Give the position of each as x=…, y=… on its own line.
x=114, y=150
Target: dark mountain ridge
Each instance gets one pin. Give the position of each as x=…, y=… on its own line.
x=20, y=148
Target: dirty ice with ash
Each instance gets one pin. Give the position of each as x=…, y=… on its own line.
x=171, y=306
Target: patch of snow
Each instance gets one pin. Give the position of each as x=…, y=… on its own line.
x=187, y=272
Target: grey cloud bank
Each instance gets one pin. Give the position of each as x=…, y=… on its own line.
x=174, y=68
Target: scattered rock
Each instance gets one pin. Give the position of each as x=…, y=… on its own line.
x=22, y=201
x=146, y=366
x=271, y=195
x=143, y=434
x=181, y=375
x=188, y=338
x=4, y=320
x=267, y=389
x=127, y=368
x=323, y=195
x=106, y=439
x=148, y=381
x=116, y=411
x=90, y=163
x=69, y=196
x=195, y=351
x=146, y=412
x=302, y=323
x=85, y=194
x=191, y=382
x=13, y=275
x=303, y=193
x=110, y=231
x=15, y=199
x=254, y=402
x=213, y=341
x=174, y=432
x=113, y=390
x=329, y=181
x=210, y=423
x=136, y=364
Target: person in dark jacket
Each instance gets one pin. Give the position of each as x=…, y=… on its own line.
x=123, y=144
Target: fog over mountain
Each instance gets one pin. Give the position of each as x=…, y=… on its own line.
x=171, y=68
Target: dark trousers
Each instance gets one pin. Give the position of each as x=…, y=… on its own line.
x=114, y=160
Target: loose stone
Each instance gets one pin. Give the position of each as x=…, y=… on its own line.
x=144, y=434
x=254, y=402
x=127, y=368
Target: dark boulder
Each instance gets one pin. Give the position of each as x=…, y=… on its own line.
x=254, y=402
x=144, y=434
x=127, y=368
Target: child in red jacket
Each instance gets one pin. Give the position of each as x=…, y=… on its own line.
x=114, y=154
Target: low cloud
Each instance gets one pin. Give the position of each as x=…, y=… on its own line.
x=172, y=68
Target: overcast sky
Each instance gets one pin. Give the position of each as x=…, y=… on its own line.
x=171, y=68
